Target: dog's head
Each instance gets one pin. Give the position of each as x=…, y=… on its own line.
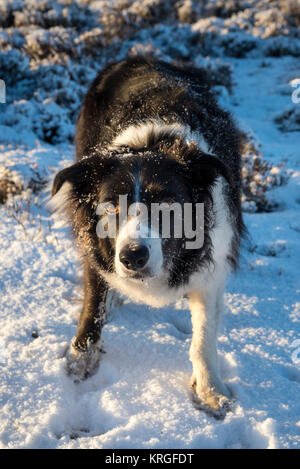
x=135, y=215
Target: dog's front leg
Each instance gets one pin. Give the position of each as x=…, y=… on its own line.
x=207, y=384
x=84, y=354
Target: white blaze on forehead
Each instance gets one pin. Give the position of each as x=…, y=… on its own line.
x=135, y=229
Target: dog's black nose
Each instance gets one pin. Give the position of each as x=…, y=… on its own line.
x=134, y=256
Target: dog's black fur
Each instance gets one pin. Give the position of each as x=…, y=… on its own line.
x=134, y=91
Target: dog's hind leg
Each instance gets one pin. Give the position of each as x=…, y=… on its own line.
x=210, y=391
x=85, y=350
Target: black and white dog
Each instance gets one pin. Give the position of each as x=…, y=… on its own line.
x=154, y=132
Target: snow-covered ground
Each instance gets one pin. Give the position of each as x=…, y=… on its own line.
x=140, y=397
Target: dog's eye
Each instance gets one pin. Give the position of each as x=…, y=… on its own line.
x=111, y=208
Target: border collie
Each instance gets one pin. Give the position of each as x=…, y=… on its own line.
x=154, y=132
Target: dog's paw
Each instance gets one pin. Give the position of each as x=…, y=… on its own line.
x=212, y=401
x=81, y=364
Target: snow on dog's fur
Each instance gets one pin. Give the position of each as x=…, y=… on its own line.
x=154, y=132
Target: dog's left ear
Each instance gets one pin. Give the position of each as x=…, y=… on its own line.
x=206, y=168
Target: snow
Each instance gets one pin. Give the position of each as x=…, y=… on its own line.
x=140, y=397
